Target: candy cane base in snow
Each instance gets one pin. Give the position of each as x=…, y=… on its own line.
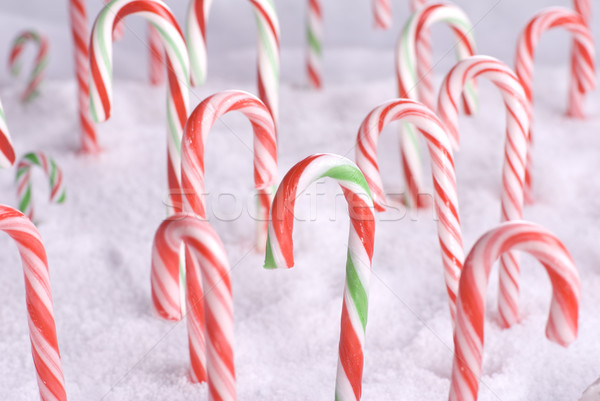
x=515, y=153
x=279, y=254
x=38, y=294
x=24, y=190
x=211, y=353
x=40, y=64
x=442, y=166
x=562, y=320
x=197, y=128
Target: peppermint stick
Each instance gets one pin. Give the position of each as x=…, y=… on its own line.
x=279, y=254
x=195, y=33
x=406, y=72
x=562, y=320
x=314, y=48
x=442, y=167
x=23, y=177
x=382, y=12
x=40, y=64
x=210, y=314
x=579, y=61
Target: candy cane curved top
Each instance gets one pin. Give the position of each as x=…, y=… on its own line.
x=543, y=21
x=360, y=252
x=40, y=63
x=468, y=338
x=157, y=13
x=517, y=121
x=195, y=33
x=38, y=294
x=442, y=166
x=196, y=132
x=7, y=152
x=53, y=173
x=406, y=52
x=207, y=267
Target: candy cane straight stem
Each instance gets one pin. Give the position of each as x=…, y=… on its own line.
x=515, y=154
x=7, y=152
x=578, y=60
x=156, y=12
x=545, y=20
x=268, y=54
x=24, y=190
x=210, y=316
x=157, y=68
x=195, y=33
x=38, y=294
x=314, y=48
x=279, y=254
x=40, y=63
x=562, y=320
x=442, y=167
x=425, y=89
x=79, y=30
x=382, y=12
x=197, y=128
x=407, y=77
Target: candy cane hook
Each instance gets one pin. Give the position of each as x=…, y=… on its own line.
x=40, y=63
x=279, y=254
x=38, y=294
x=210, y=313
x=562, y=320
x=406, y=73
x=515, y=154
x=23, y=177
x=157, y=13
x=442, y=166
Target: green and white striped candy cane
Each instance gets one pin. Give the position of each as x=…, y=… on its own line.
x=53, y=173
x=279, y=254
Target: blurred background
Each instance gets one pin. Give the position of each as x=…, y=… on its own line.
x=348, y=24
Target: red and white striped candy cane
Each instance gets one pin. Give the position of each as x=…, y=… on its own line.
x=468, y=337
x=157, y=68
x=425, y=89
x=210, y=313
x=40, y=64
x=119, y=29
x=543, y=21
x=157, y=13
x=38, y=294
x=408, y=81
x=442, y=167
x=280, y=254
x=265, y=152
x=382, y=12
x=7, y=152
x=314, y=48
x=53, y=173
x=578, y=63
x=79, y=30
x=195, y=33
x=515, y=154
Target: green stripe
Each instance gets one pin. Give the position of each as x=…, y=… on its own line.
x=22, y=171
x=357, y=292
x=53, y=172
x=405, y=55
x=180, y=57
x=32, y=157
x=269, y=259
x=62, y=198
x=347, y=172
x=98, y=35
x=271, y=56
x=24, y=204
x=199, y=73
x=314, y=42
x=173, y=129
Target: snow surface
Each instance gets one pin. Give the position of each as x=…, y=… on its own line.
x=287, y=321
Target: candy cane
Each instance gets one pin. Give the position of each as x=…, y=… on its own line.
x=197, y=17
x=79, y=30
x=425, y=88
x=41, y=62
x=119, y=29
x=265, y=151
x=562, y=320
x=382, y=12
x=157, y=13
x=208, y=267
x=314, y=49
x=53, y=173
x=515, y=154
x=38, y=294
x=157, y=73
x=279, y=254
x=586, y=78
x=7, y=152
x=442, y=166
x=578, y=64
x=406, y=72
